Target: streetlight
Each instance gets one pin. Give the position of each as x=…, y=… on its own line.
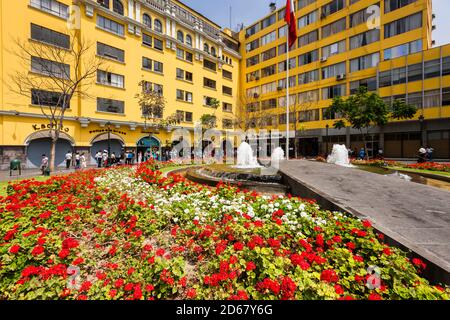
x=109, y=144
x=421, y=121
x=327, y=128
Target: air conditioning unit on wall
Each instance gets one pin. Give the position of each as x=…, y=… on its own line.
x=341, y=76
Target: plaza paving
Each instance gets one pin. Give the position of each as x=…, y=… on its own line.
x=414, y=215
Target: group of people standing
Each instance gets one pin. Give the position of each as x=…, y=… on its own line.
x=76, y=159
x=425, y=154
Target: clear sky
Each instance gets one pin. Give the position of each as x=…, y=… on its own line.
x=248, y=11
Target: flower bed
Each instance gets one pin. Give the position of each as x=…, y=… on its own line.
x=431, y=166
x=129, y=233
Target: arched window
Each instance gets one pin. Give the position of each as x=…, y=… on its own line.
x=189, y=40
x=180, y=36
x=147, y=20
x=213, y=51
x=158, y=26
x=206, y=47
x=118, y=7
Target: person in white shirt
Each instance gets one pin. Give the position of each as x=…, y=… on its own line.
x=83, y=161
x=77, y=161
x=68, y=159
x=44, y=164
x=105, y=158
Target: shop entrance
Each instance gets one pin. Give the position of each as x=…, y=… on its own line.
x=149, y=147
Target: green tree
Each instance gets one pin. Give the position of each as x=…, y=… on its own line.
x=365, y=110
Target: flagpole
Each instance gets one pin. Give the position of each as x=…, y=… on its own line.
x=287, y=94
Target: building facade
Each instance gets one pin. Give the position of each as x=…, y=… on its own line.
x=385, y=45
x=174, y=49
x=341, y=46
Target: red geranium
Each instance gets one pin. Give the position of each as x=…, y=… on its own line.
x=14, y=249
x=329, y=276
x=250, y=266
x=37, y=250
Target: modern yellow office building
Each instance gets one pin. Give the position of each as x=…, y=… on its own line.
x=341, y=46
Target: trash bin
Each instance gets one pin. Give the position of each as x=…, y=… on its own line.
x=15, y=165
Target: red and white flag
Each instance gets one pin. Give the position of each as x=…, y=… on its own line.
x=291, y=21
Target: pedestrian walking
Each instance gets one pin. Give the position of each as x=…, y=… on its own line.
x=83, y=161
x=44, y=164
x=422, y=155
x=113, y=158
x=68, y=159
x=105, y=158
x=77, y=161
x=430, y=152
x=98, y=158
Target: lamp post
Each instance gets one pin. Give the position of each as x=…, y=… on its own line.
x=421, y=121
x=326, y=142
x=109, y=144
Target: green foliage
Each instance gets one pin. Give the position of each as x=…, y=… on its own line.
x=402, y=111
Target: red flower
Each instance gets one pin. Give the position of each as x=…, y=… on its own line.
x=14, y=249
x=137, y=295
x=367, y=224
x=350, y=246
x=250, y=266
x=149, y=288
x=288, y=288
x=160, y=252
x=37, y=250
x=64, y=253
x=191, y=293
x=238, y=246
x=128, y=287
x=85, y=286
x=119, y=283
x=131, y=271
x=358, y=258
x=112, y=293
x=375, y=296
x=82, y=297
x=319, y=240
x=387, y=251
x=70, y=243
x=338, y=289
x=419, y=263
x=329, y=276
x=78, y=261
x=337, y=239
x=233, y=259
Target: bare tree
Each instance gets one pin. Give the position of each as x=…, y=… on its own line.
x=57, y=75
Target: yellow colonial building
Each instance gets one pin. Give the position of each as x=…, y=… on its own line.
x=174, y=49
x=385, y=45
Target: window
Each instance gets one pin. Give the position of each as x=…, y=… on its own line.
x=268, y=87
x=110, y=79
x=268, y=71
x=365, y=38
x=251, y=76
x=282, y=32
x=189, y=40
x=370, y=84
x=308, y=77
x=104, y=3
x=227, y=90
x=147, y=20
x=332, y=7
x=110, y=25
x=398, y=76
x=43, y=34
x=282, y=49
x=308, y=57
x=147, y=40
x=445, y=66
x=309, y=115
x=333, y=70
x=180, y=36
x=107, y=51
x=415, y=72
x=206, y=47
x=189, y=56
x=252, y=30
x=157, y=44
x=188, y=116
x=391, y=5
x=307, y=19
x=147, y=63
x=303, y=3
x=158, y=66
x=227, y=74
x=308, y=96
x=50, y=68
x=327, y=114
x=268, y=38
x=110, y=105
x=158, y=26
x=269, y=54
x=403, y=25
x=432, y=68
x=403, y=50
x=364, y=62
x=184, y=96
x=333, y=91
x=227, y=107
x=51, y=6
x=252, y=45
x=208, y=101
x=308, y=38
x=47, y=98
x=268, y=21
x=361, y=16
x=213, y=52
x=385, y=79
x=415, y=99
x=252, y=61
x=184, y=75
x=334, y=28
x=432, y=98
x=268, y=104
x=333, y=49
x=118, y=7
x=446, y=97
x=209, y=65
x=209, y=83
